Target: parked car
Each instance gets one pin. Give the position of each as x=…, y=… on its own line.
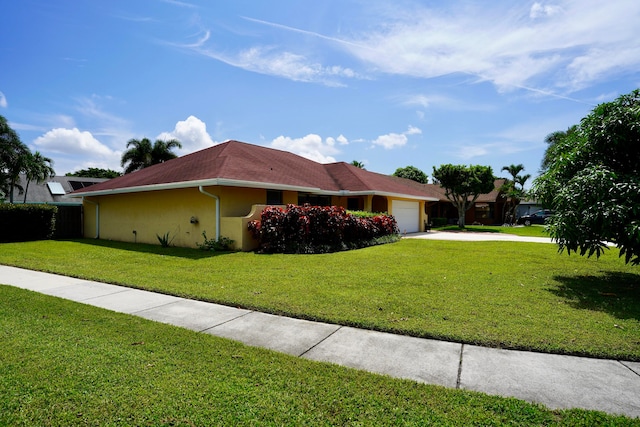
x=539, y=217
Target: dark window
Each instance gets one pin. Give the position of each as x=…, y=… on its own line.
x=274, y=197
x=353, y=204
x=314, y=199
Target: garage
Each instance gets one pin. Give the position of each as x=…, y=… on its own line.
x=407, y=215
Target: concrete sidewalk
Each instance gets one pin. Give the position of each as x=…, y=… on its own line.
x=553, y=380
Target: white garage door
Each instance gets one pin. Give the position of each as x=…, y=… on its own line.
x=407, y=215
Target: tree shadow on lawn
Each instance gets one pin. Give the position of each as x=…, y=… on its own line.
x=171, y=251
x=612, y=292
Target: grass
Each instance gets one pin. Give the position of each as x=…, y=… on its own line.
x=499, y=294
x=531, y=231
x=67, y=364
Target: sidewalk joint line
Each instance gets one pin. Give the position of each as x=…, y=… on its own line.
x=229, y=320
x=459, y=367
x=629, y=367
x=319, y=342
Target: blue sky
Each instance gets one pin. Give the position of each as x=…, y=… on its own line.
x=387, y=83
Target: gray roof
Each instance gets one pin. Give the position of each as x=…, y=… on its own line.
x=47, y=193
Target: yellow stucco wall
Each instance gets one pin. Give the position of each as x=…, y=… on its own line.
x=154, y=213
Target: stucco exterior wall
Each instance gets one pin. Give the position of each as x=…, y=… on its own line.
x=185, y=214
x=140, y=217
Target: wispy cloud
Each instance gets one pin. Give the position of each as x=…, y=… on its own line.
x=273, y=61
x=180, y=4
x=3, y=100
x=571, y=42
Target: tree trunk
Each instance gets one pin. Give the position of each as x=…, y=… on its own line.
x=26, y=188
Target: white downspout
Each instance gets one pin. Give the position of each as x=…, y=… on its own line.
x=97, y=215
x=217, y=210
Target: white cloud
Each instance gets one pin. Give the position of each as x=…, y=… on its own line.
x=3, y=100
x=539, y=10
x=395, y=140
x=512, y=45
x=72, y=141
x=72, y=147
x=192, y=134
x=311, y=147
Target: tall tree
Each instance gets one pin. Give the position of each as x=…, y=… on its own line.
x=412, y=173
x=593, y=182
x=553, y=141
x=513, y=189
x=463, y=184
x=13, y=158
x=95, y=173
x=143, y=154
x=357, y=164
x=38, y=168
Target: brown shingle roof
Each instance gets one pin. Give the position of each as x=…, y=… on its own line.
x=241, y=164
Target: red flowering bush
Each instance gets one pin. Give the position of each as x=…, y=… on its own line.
x=317, y=229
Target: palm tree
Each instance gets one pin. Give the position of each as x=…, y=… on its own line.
x=39, y=169
x=143, y=154
x=357, y=164
x=13, y=157
x=512, y=192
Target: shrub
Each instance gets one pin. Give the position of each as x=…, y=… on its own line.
x=164, y=240
x=316, y=229
x=213, y=245
x=26, y=222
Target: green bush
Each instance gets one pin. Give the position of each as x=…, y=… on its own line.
x=213, y=245
x=26, y=222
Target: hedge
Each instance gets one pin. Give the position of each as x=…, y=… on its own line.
x=318, y=229
x=20, y=222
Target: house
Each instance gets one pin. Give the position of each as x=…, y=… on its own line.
x=53, y=192
x=488, y=209
x=218, y=190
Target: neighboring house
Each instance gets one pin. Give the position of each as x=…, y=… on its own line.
x=53, y=192
x=527, y=207
x=219, y=189
x=488, y=209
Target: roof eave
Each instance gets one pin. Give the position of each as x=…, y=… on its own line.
x=194, y=184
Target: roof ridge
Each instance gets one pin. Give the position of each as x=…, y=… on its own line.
x=349, y=168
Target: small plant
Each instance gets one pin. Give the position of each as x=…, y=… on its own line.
x=164, y=240
x=213, y=245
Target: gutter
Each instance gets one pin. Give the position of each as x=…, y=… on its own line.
x=97, y=215
x=217, y=199
x=191, y=184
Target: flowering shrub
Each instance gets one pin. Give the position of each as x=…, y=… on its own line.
x=317, y=229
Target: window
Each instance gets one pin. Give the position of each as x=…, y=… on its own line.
x=484, y=211
x=274, y=197
x=314, y=199
x=353, y=204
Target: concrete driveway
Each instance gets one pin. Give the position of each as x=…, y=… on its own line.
x=469, y=236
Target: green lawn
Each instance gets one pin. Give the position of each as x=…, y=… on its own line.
x=502, y=294
x=68, y=364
